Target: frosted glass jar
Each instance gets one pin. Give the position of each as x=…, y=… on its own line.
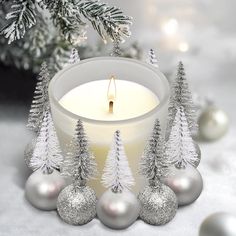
x=134, y=131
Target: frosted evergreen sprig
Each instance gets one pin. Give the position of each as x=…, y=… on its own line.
x=181, y=96
x=40, y=100
x=109, y=22
x=21, y=18
x=180, y=148
x=70, y=19
x=47, y=154
x=79, y=163
x=154, y=163
x=117, y=174
x=65, y=16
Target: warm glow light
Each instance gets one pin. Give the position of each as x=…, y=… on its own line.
x=171, y=26
x=111, y=93
x=183, y=47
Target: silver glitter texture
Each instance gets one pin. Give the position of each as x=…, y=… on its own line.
x=77, y=206
x=158, y=204
x=28, y=152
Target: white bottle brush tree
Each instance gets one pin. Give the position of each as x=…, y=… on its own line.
x=154, y=163
x=152, y=58
x=117, y=175
x=47, y=153
x=180, y=148
x=181, y=96
x=40, y=100
x=74, y=56
x=79, y=163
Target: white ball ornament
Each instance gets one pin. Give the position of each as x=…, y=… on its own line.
x=42, y=190
x=213, y=123
x=118, y=210
x=218, y=224
x=186, y=183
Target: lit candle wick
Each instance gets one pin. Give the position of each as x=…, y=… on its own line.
x=111, y=93
x=111, y=103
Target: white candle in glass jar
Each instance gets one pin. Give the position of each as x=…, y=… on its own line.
x=81, y=92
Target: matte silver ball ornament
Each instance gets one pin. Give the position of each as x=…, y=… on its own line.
x=118, y=210
x=42, y=190
x=218, y=224
x=28, y=152
x=186, y=183
x=77, y=206
x=213, y=123
x=158, y=204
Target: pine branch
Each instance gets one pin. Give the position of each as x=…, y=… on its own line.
x=38, y=37
x=22, y=17
x=117, y=175
x=47, y=154
x=180, y=147
x=65, y=16
x=68, y=17
x=154, y=163
x=109, y=22
x=79, y=163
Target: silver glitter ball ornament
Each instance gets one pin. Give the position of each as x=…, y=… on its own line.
x=186, y=183
x=28, y=152
x=218, y=224
x=213, y=123
x=118, y=210
x=158, y=204
x=77, y=206
x=42, y=190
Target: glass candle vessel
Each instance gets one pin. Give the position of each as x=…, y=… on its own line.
x=134, y=131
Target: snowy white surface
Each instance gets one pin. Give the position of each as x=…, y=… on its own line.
x=211, y=69
x=18, y=217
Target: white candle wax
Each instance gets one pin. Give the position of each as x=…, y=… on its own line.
x=90, y=100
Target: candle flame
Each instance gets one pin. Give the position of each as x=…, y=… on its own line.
x=111, y=93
